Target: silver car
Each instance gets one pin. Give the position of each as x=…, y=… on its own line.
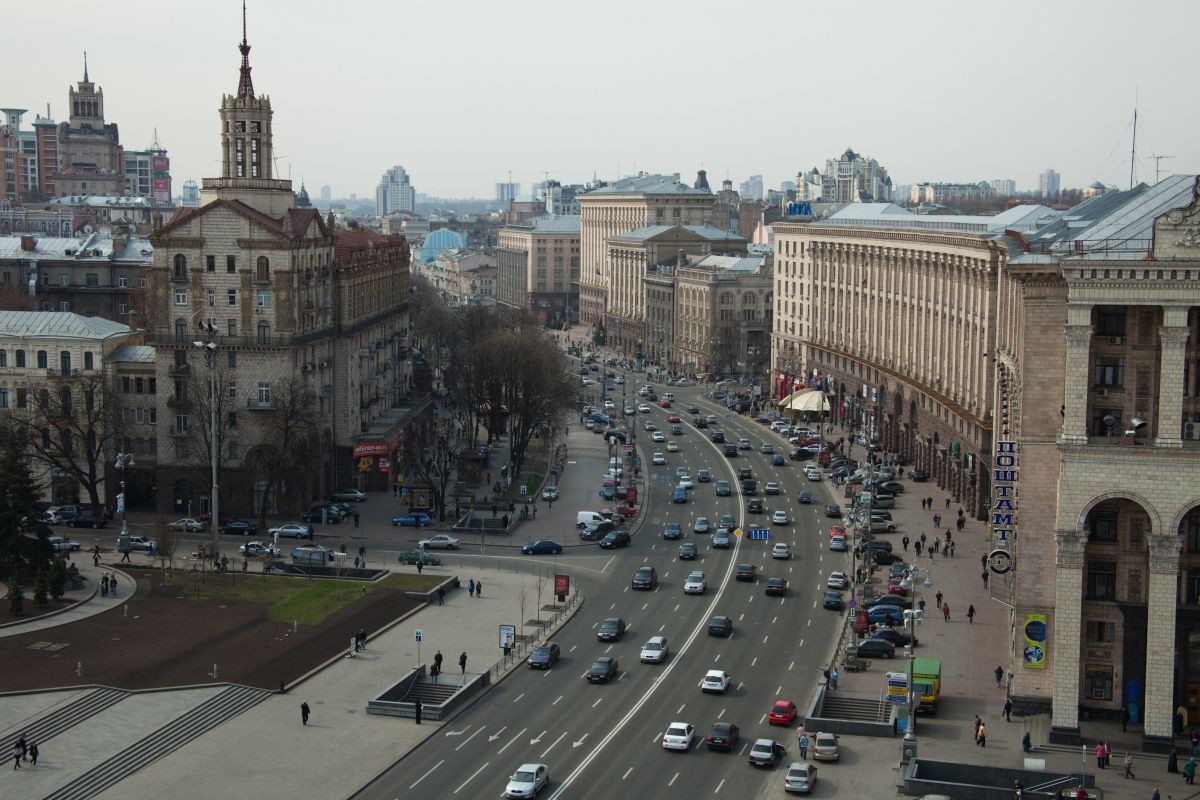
x=695, y=583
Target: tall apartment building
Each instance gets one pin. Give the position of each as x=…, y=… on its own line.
x=752, y=188
x=89, y=149
x=506, y=193
x=1003, y=187
x=191, y=194
x=946, y=193
x=395, y=193
x=1049, y=184
x=326, y=194
x=623, y=206
x=852, y=178
x=538, y=267
x=307, y=323
x=148, y=174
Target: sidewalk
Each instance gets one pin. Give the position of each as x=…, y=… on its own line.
x=86, y=602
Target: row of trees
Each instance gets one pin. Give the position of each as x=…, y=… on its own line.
x=501, y=375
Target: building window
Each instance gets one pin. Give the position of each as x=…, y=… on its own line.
x=20, y=358
x=180, y=267
x=231, y=263
x=139, y=415
x=1104, y=525
x=1110, y=321
x=181, y=423
x=42, y=360
x=89, y=360
x=1191, y=531
x=125, y=385
x=264, y=333
x=210, y=263
x=22, y=398
x=92, y=279
x=1102, y=580
x=1098, y=681
x=152, y=415
x=264, y=394
x=123, y=281
x=152, y=386
x=3, y=398
x=181, y=297
x=232, y=327
x=262, y=299
x=139, y=386
x=231, y=297
x=3, y=358
x=1109, y=372
x=64, y=306
x=231, y=390
x=1192, y=589
x=262, y=270
x=235, y=452
x=1100, y=632
x=180, y=331
x=231, y=421
x=232, y=359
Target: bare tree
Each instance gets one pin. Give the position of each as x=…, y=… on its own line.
x=431, y=453
x=287, y=455
x=522, y=602
x=539, y=584
x=193, y=399
x=69, y=428
x=13, y=297
x=537, y=390
x=166, y=542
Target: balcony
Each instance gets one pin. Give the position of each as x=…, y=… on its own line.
x=258, y=404
x=179, y=401
x=179, y=432
x=179, y=370
x=326, y=391
x=62, y=373
x=179, y=277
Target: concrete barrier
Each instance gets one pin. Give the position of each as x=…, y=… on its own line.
x=986, y=782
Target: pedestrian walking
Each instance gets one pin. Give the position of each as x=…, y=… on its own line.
x=1027, y=743
x=112, y=584
x=356, y=519
x=104, y=584
x=125, y=555
x=946, y=612
x=983, y=576
x=938, y=597
x=937, y=520
x=362, y=638
x=1128, y=762
x=1099, y=755
x=419, y=567
x=1007, y=709
x=33, y=753
x=803, y=742
x=930, y=553
x=999, y=673
x=947, y=503
x=471, y=587
x=983, y=561
x=904, y=541
x=921, y=605
x=1107, y=753
x=24, y=745
x=952, y=544
x=833, y=678
x=395, y=490
x=971, y=614
x=917, y=547
x=479, y=588
x=304, y=712
x=504, y=521
x=981, y=740
x=1189, y=771
x=978, y=722
x=961, y=522
x=96, y=559
x=16, y=757
x=462, y=663
x=923, y=537
x=1155, y=796
x=441, y=596
x=362, y=553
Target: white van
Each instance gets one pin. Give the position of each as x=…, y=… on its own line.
x=586, y=518
x=669, y=396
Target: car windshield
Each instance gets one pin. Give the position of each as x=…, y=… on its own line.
x=652, y=646
x=599, y=664
x=542, y=650
x=522, y=776
x=762, y=747
x=676, y=730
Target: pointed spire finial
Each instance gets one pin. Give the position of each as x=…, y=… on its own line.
x=245, y=85
x=85, y=77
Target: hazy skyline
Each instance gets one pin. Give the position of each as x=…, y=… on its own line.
x=464, y=95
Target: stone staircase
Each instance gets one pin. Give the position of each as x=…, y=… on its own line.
x=68, y=716
x=855, y=708
x=175, y=734
x=430, y=693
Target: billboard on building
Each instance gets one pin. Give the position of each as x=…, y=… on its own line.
x=1035, y=641
x=160, y=164
x=161, y=188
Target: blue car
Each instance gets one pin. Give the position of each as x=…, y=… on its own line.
x=805, y=497
x=416, y=520
x=681, y=495
x=886, y=614
x=542, y=546
x=777, y=460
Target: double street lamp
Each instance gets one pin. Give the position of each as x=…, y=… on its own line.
x=209, y=346
x=123, y=462
x=908, y=746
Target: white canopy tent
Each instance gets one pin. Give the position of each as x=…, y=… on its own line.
x=809, y=400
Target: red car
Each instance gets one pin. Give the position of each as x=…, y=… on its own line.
x=837, y=530
x=782, y=713
x=672, y=417
x=895, y=587
x=664, y=403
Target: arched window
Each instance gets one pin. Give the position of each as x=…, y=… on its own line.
x=88, y=361
x=264, y=333
x=262, y=269
x=180, y=331
x=43, y=361
x=180, y=266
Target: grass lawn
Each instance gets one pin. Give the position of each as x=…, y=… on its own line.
x=308, y=602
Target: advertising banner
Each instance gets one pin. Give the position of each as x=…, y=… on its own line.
x=1035, y=641
x=562, y=584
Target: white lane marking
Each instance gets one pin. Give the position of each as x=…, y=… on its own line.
x=561, y=696
x=809, y=622
x=598, y=699
x=673, y=779
x=774, y=620
x=740, y=685
x=718, y=657
x=764, y=640
x=572, y=650
x=608, y=563
x=469, y=738
x=645, y=604
x=677, y=606
x=468, y=780
x=792, y=664
x=755, y=661
x=551, y=747
x=802, y=645
x=722, y=714
x=719, y=785
x=626, y=775
x=496, y=735
x=681, y=708
x=608, y=649
x=662, y=627
x=580, y=741
x=779, y=690
x=426, y=775
x=741, y=617
x=762, y=719
x=510, y=741
x=518, y=697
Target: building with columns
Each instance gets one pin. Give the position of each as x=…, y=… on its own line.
x=622, y=206
x=723, y=310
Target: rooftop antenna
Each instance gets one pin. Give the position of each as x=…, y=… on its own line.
x=275, y=159
x=1157, y=168
x=1133, y=151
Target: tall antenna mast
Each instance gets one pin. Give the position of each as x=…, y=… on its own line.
x=1157, y=170
x=1133, y=151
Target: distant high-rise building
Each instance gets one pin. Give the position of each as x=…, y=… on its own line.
x=507, y=192
x=191, y=194
x=148, y=174
x=562, y=200
x=395, y=193
x=1003, y=187
x=1049, y=184
x=853, y=179
x=326, y=194
x=787, y=186
x=752, y=188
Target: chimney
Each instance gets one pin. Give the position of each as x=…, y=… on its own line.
x=28, y=244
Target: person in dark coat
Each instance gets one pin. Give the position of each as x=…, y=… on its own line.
x=304, y=712
x=417, y=709
x=33, y=753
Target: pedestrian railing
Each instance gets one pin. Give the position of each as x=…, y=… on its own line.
x=522, y=646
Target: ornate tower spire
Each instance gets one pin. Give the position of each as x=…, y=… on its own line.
x=85, y=77
x=245, y=85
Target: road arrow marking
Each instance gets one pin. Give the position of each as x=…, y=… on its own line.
x=577, y=744
x=458, y=733
x=496, y=735
x=532, y=742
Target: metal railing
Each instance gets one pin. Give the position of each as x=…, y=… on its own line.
x=521, y=648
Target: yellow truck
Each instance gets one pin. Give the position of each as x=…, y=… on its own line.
x=927, y=683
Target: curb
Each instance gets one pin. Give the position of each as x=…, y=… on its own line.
x=53, y=613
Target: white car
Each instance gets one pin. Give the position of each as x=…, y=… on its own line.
x=186, y=524
x=780, y=550
x=250, y=549
x=630, y=411
x=695, y=583
x=837, y=580
x=715, y=681
x=771, y=487
x=686, y=482
x=658, y=458
x=550, y=493
x=528, y=780
x=608, y=405
x=654, y=650
x=442, y=541
x=658, y=436
x=643, y=408
x=672, y=446
x=837, y=544
x=294, y=530
x=779, y=517
x=813, y=474
x=679, y=736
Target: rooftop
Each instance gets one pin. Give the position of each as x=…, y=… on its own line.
x=132, y=354
x=890, y=215
x=745, y=264
x=647, y=184
x=58, y=325
x=557, y=223
x=703, y=231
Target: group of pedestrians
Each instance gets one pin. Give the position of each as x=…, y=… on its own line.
x=108, y=584
x=24, y=750
x=475, y=588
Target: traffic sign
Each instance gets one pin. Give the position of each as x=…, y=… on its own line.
x=760, y=533
x=417, y=635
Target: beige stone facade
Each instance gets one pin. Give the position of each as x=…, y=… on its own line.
x=895, y=326
x=537, y=267
x=723, y=312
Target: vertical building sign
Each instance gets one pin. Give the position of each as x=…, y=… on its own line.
x=1005, y=474
x=1034, y=654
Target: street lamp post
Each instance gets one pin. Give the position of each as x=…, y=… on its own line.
x=123, y=462
x=209, y=345
x=908, y=747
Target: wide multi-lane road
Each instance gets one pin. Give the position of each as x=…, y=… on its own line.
x=601, y=738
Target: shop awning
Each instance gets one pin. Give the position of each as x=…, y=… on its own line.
x=805, y=400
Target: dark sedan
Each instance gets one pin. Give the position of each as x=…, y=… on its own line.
x=723, y=736
x=744, y=572
x=833, y=510
x=603, y=670
x=544, y=656
x=541, y=547
x=687, y=551
x=876, y=648
x=240, y=527
x=805, y=497
x=833, y=601
x=611, y=629
x=776, y=587
x=917, y=476
x=672, y=530
x=721, y=540
x=891, y=487
x=87, y=521
x=615, y=539
x=896, y=637
x=720, y=626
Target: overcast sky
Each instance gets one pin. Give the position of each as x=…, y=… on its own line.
x=461, y=93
